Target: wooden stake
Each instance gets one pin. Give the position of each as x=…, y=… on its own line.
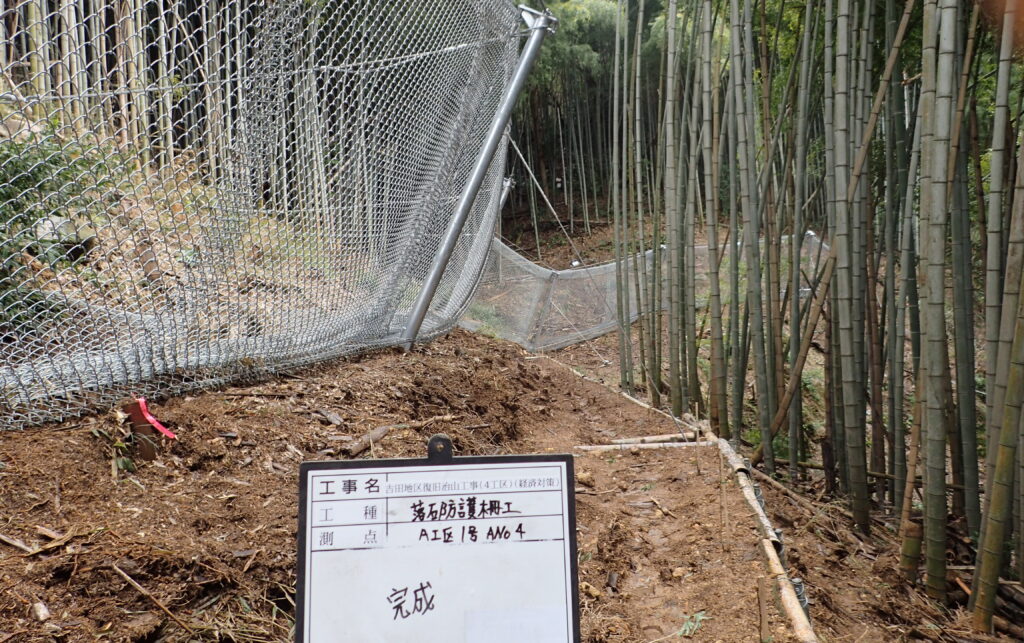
x=762, y=603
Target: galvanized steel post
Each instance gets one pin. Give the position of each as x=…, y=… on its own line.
x=539, y=23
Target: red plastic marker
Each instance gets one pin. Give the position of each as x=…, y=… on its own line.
x=152, y=421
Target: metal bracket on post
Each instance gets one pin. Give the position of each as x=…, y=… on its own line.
x=539, y=23
x=506, y=188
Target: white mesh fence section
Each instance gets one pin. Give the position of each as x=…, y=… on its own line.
x=194, y=192
x=542, y=309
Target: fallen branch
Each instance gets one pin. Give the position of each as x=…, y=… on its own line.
x=884, y=534
x=249, y=562
x=667, y=512
x=630, y=447
x=376, y=435
x=918, y=481
x=583, y=491
x=797, y=498
x=686, y=436
x=257, y=394
x=1006, y=627
x=970, y=568
x=145, y=592
x=60, y=541
x=14, y=542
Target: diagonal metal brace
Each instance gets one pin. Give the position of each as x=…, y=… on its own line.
x=540, y=23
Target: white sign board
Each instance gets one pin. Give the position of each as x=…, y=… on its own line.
x=476, y=550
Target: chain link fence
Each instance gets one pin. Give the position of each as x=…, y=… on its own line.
x=197, y=192
x=542, y=309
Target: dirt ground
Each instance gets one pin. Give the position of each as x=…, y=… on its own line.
x=682, y=543
x=555, y=250
x=853, y=586
x=98, y=545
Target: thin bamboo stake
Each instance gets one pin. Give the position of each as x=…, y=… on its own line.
x=799, y=202
x=621, y=290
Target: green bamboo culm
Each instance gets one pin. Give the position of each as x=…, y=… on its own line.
x=997, y=524
x=749, y=124
x=997, y=512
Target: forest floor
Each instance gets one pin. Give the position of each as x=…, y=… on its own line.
x=98, y=545
x=208, y=529
x=555, y=250
x=854, y=588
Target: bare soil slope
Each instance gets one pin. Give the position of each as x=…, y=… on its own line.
x=202, y=540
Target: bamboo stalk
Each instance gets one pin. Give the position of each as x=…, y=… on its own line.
x=621, y=294
x=799, y=202
x=37, y=58
x=994, y=259
x=750, y=228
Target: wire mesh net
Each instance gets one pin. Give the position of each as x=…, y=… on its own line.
x=542, y=309
x=195, y=192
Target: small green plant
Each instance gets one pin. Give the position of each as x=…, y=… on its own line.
x=41, y=177
x=690, y=627
x=120, y=450
x=692, y=624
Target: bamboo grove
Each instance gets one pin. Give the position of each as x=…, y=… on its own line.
x=890, y=129
x=716, y=132
x=158, y=85
x=128, y=71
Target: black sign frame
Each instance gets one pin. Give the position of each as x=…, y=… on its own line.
x=439, y=452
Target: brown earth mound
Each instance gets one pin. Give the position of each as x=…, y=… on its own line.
x=200, y=543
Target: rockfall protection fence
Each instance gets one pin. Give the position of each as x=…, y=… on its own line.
x=543, y=309
x=193, y=192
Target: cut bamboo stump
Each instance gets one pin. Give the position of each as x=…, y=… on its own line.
x=762, y=603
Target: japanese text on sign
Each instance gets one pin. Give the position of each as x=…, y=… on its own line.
x=407, y=550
